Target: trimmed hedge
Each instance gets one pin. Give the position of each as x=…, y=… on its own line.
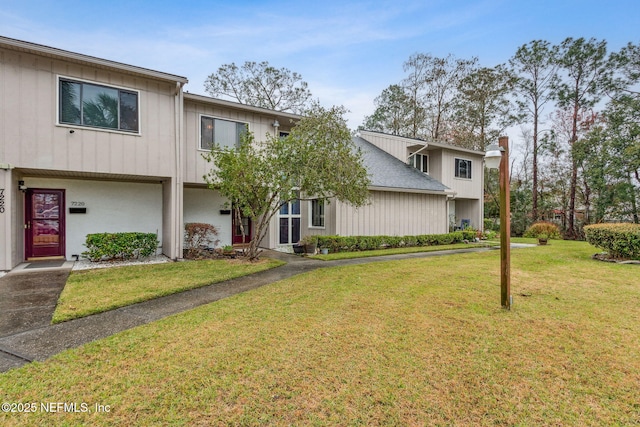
x=619, y=240
x=109, y=246
x=368, y=243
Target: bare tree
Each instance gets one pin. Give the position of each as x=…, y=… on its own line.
x=483, y=108
x=260, y=85
x=432, y=85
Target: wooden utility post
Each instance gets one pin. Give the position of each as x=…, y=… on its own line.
x=505, y=226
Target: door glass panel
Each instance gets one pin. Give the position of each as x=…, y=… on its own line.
x=284, y=209
x=284, y=231
x=45, y=223
x=295, y=230
x=46, y=206
x=45, y=232
x=295, y=207
x=245, y=225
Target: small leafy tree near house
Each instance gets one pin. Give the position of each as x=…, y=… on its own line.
x=316, y=160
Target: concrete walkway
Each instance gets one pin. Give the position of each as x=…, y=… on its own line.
x=28, y=298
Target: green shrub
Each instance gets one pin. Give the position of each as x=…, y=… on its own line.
x=367, y=243
x=542, y=229
x=619, y=240
x=490, y=234
x=108, y=246
x=410, y=241
x=469, y=234
x=392, y=241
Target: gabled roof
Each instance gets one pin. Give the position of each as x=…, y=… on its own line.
x=388, y=173
x=418, y=142
x=283, y=116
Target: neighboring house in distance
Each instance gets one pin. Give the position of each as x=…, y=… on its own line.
x=89, y=145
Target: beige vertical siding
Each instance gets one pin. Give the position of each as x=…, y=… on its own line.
x=195, y=165
x=31, y=138
x=394, y=145
x=329, y=219
x=435, y=164
x=394, y=214
x=464, y=188
x=469, y=209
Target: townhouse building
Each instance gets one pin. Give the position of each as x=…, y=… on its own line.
x=89, y=145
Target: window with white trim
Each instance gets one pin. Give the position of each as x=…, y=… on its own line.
x=316, y=213
x=463, y=168
x=289, y=222
x=93, y=105
x=419, y=161
x=225, y=133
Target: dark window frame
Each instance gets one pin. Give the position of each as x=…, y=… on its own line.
x=78, y=112
x=463, y=168
x=419, y=161
x=317, y=213
x=207, y=135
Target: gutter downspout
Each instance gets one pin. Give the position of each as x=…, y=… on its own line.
x=450, y=197
x=7, y=188
x=426, y=145
x=177, y=202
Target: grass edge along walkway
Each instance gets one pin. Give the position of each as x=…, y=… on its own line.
x=95, y=291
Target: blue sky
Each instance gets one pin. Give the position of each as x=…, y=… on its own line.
x=348, y=51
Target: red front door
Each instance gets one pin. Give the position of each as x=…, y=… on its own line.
x=44, y=223
x=237, y=230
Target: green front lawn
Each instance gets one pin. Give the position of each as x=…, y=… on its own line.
x=413, y=342
x=94, y=291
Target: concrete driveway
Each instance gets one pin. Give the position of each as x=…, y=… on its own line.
x=28, y=297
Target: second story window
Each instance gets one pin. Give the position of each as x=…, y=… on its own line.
x=419, y=161
x=92, y=105
x=225, y=133
x=463, y=168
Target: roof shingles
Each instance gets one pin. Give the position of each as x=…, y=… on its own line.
x=387, y=171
